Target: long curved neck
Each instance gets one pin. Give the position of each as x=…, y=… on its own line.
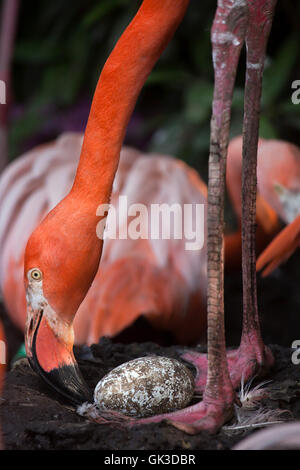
x=119, y=85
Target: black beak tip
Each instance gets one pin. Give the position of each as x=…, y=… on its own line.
x=67, y=381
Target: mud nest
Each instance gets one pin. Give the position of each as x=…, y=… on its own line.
x=34, y=417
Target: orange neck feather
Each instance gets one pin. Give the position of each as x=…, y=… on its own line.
x=120, y=83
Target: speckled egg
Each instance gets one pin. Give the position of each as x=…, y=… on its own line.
x=145, y=386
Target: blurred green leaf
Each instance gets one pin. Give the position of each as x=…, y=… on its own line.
x=23, y=128
x=61, y=47
x=167, y=76
x=287, y=107
x=33, y=52
x=95, y=14
x=198, y=100
x=167, y=139
x=266, y=128
x=238, y=99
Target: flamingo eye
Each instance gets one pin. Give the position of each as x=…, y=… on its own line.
x=36, y=274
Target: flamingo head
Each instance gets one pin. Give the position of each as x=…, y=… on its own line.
x=61, y=260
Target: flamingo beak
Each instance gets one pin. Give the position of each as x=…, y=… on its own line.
x=49, y=347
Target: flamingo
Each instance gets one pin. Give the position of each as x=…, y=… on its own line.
x=29, y=189
x=136, y=277
x=285, y=174
x=32, y=185
x=63, y=253
x=267, y=216
x=37, y=171
x=278, y=182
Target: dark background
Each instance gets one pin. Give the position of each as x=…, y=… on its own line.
x=61, y=47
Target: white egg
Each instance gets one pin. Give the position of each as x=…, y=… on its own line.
x=145, y=386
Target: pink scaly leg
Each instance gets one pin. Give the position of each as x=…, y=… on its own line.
x=252, y=357
x=228, y=35
x=252, y=352
x=235, y=21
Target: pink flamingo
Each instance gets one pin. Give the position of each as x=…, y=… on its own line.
x=145, y=276
x=59, y=271
x=278, y=183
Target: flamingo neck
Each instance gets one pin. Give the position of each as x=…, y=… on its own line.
x=119, y=85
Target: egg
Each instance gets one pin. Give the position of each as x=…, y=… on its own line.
x=145, y=386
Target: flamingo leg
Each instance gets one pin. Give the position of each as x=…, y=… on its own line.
x=252, y=357
x=235, y=22
x=228, y=35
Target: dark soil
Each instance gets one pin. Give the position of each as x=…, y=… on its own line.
x=34, y=417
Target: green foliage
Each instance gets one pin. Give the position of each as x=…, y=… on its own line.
x=61, y=47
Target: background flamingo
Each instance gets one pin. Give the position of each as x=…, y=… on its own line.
x=281, y=177
x=278, y=183
x=37, y=181
x=266, y=217
x=165, y=288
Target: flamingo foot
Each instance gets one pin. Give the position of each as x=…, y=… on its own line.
x=247, y=362
x=208, y=415
x=93, y=413
x=213, y=411
x=243, y=363
x=199, y=361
